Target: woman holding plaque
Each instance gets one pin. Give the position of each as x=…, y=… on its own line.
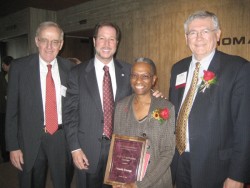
x=142, y=115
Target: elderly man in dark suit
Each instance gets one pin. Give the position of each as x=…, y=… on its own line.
x=213, y=123
x=34, y=127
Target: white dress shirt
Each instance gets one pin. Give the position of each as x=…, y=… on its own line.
x=57, y=82
x=100, y=73
x=204, y=66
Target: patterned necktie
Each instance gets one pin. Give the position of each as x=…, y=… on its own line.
x=108, y=103
x=182, y=118
x=50, y=104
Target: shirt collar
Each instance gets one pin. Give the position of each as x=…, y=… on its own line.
x=44, y=63
x=99, y=65
x=205, y=62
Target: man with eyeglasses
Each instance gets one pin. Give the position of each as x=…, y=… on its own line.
x=34, y=127
x=211, y=94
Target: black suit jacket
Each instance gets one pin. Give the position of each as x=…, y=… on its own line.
x=219, y=123
x=24, y=115
x=83, y=114
x=3, y=92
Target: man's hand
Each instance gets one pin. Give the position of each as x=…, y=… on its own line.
x=229, y=183
x=16, y=158
x=80, y=159
x=157, y=94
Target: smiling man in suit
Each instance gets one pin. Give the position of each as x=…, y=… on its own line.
x=212, y=100
x=84, y=116
x=34, y=127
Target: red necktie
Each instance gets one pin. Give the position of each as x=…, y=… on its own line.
x=108, y=103
x=50, y=104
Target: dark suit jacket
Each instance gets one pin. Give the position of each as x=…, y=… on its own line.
x=3, y=92
x=24, y=115
x=219, y=123
x=83, y=114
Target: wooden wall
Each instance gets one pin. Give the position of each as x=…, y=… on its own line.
x=20, y=24
x=154, y=28
x=81, y=49
x=36, y=16
x=150, y=28
x=14, y=25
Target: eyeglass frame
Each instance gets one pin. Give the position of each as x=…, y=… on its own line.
x=202, y=33
x=46, y=42
x=144, y=77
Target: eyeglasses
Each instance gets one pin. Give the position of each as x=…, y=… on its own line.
x=46, y=42
x=203, y=33
x=143, y=77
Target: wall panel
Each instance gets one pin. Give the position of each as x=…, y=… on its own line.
x=154, y=28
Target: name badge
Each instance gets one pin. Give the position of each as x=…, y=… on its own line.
x=63, y=91
x=181, y=80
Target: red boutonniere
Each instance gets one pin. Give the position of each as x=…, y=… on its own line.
x=161, y=114
x=208, y=79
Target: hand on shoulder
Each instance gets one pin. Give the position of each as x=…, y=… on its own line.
x=230, y=183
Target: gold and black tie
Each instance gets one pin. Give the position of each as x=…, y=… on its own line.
x=182, y=118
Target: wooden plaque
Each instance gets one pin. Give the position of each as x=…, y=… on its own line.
x=126, y=159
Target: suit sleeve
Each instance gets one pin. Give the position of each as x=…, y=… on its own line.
x=71, y=111
x=11, y=129
x=240, y=161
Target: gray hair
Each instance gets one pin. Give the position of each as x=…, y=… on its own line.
x=202, y=15
x=47, y=24
x=147, y=61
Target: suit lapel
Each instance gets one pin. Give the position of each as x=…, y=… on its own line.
x=35, y=84
x=215, y=64
x=182, y=89
x=120, y=77
x=62, y=72
x=92, y=85
x=215, y=68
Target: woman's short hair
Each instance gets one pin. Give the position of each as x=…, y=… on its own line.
x=148, y=61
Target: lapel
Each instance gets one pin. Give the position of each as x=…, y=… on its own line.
x=120, y=77
x=180, y=92
x=62, y=71
x=215, y=64
x=33, y=77
x=209, y=92
x=92, y=85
